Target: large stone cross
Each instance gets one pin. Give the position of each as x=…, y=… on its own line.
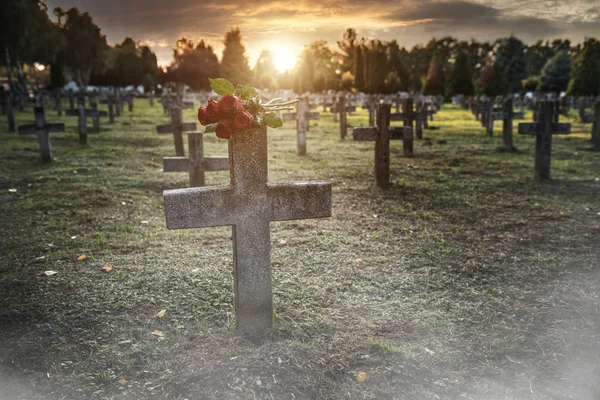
x=543, y=131
x=381, y=135
x=196, y=164
x=82, y=113
x=503, y=114
x=42, y=130
x=249, y=203
x=177, y=127
x=303, y=117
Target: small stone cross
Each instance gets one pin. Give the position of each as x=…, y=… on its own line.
x=249, y=204
x=196, y=164
x=42, y=130
x=543, y=131
x=303, y=118
x=177, y=127
x=382, y=134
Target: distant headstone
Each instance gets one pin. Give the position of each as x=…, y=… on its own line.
x=248, y=204
x=177, y=127
x=196, y=164
x=543, y=130
x=302, y=116
x=42, y=130
x=381, y=135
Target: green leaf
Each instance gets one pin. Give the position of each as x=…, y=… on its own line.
x=211, y=127
x=246, y=92
x=272, y=120
x=221, y=86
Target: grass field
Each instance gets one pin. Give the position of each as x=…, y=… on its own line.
x=465, y=280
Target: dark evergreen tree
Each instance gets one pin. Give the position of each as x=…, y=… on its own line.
x=585, y=77
x=460, y=78
x=510, y=57
x=556, y=74
x=434, y=83
x=234, y=64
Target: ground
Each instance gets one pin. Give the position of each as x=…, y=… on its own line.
x=465, y=280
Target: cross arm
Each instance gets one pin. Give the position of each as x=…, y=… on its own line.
x=200, y=207
x=367, y=134
x=176, y=164
x=188, y=126
x=301, y=200
x=291, y=116
x=162, y=129
x=216, y=163
x=536, y=128
x=27, y=129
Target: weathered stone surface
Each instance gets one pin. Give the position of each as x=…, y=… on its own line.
x=249, y=203
x=42, y=130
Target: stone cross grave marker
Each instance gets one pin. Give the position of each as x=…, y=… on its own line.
x=82, y=113
x=341, y=108
x=302, y=116
x=177, y=127
x=249, y=204
x=381, y=135
x=42, y=130
x=196, y=164
x=410, y=117
x=506, y=115
x=543, y=130
x=58, y=101
x=10, y=111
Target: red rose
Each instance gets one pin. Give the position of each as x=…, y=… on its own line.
x=203, y=116
x=211, y=112
x=243, y=120
x=224, y=129
x=228, y=105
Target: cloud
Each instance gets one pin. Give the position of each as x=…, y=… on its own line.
x=302, y=21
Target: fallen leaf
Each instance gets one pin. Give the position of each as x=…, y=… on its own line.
x=40, y=177
x=123, y=203
x=13, y=190
x=361, y=375
x=282, y=241
x=81, y=257
x=51, y=245
x=50, y=273
x=359, y=260
x=122, y=381
x=161, y=314
x=73, y=237
x=145, y=222
x=107, y=267
x=158, y=333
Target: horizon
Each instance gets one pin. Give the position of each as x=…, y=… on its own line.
x=409, y=23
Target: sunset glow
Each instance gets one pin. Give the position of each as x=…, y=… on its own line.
x=284, y=58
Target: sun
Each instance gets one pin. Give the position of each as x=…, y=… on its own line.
x=284, y=58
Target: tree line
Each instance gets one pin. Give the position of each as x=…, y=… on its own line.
x=74, y=46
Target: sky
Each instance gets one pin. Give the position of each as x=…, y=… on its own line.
x=286, y=26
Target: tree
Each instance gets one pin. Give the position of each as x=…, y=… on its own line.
x=318, y=69
x=392, y=83
x=85, y=45
x=359, y=68
x=459, y=79
x=434, y=84
x=510, y=57
x=531, y=84
x=193, y=64
x=492, y=81
x=398, y=60
x=265, y=72
x=556, y=74
x=585, y=78
x=348, y=47
x=234, y=65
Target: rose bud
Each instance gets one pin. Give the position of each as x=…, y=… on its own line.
x=211, y=112
x=203, y=116
x=243, y=120
x=228, y=105
x=224, y=129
